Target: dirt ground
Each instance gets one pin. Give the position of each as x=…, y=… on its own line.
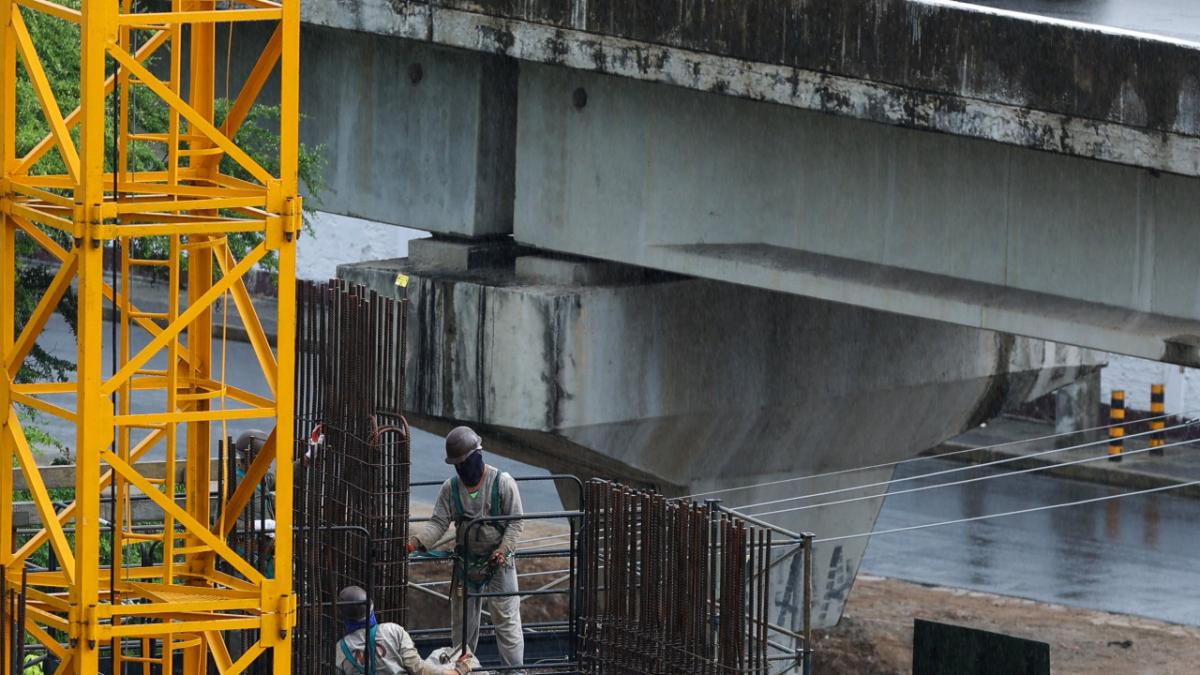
x=875, y=635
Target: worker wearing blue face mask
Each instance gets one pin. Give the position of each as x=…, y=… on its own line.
x=484, y=560
x=373, y=648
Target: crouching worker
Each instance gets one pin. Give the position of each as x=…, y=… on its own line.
x=373, y=648
x=484, y=563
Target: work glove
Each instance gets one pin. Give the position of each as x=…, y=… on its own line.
x=414, y=544
x=463, y=665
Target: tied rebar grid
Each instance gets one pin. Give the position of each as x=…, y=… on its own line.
x=352, y=481
x=671, y=587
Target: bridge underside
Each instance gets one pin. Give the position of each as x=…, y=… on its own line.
x=854, y=281
x=692, y=385
x=936, y=226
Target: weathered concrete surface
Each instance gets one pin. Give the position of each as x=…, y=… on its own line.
x=414, y=135
x=935, y=226
x=927, y=64
x=696, y=385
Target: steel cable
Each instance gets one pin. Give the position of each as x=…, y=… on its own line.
x=969, y=467
x=1004, y=514
x=925, y=458
x=1006, y=474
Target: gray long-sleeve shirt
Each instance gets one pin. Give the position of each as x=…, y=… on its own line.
x=395, y=653
x=483, y=539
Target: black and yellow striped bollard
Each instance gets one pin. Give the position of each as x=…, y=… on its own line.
x=1158, y=409
x=1116, y=432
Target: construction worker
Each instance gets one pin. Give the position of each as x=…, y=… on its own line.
x=485, y=563
x=246, y=449
x=257, y=540
x=391, y=651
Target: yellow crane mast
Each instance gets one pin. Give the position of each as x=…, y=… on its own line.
x=204, y=587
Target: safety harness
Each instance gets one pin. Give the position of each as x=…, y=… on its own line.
x=369, y=647
x=478, y=572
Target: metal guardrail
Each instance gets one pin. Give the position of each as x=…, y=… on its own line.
x=571, y=552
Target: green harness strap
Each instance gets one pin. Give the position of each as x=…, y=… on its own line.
x=369, y=647
x=460, y=518
x=460, y=513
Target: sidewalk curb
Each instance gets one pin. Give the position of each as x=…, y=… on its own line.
x=1094, y=472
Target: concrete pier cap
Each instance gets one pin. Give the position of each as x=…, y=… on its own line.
x=690, y=385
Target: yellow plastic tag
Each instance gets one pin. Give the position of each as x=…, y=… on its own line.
x=402, y=280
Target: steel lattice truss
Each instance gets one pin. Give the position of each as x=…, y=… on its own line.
x=89, y=218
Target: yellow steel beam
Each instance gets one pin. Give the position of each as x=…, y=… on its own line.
x=37, y=489
x=142, y=419
x=53, y=9
x=193, y=116
x=45, y=406
x=41, y=85
x=31, y=158
x=211, y=16
x=250, y=321
x=245, y=490
x=194, y=310
x=40, y=215
x=177, y=627
x=66, y=515
x=220, y=227
x=36, y=192
x=251, y=89
x=47, y=619
x=219, y=651
x=39, y=634
x=59, y=252
x=184, y=518
x=188, y=198
x=59, y=604
x=41, y=314
x=167, y=205
x=251, y=655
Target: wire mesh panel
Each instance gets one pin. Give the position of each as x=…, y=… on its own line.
x=672, y=587
x=352, y=478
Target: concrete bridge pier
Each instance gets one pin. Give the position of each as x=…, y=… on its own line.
x=693, y=385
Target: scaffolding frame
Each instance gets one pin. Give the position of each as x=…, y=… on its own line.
x=185, y=606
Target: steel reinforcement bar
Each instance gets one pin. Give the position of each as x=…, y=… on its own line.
x=352, y=478
x=671, y=587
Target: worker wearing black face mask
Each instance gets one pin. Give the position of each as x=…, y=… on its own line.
x=484, y=560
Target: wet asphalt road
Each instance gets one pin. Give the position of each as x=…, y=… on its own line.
x=1133, y=556
x=1174, y=18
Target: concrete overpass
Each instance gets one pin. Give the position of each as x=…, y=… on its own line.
x=1056, y=198
x=716, y=242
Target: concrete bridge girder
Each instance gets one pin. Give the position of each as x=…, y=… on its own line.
x=935, y=226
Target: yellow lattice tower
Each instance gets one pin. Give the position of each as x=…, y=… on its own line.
x=203, y=588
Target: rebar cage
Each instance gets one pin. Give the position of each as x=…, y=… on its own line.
x=352, y=478
x=673, y=586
